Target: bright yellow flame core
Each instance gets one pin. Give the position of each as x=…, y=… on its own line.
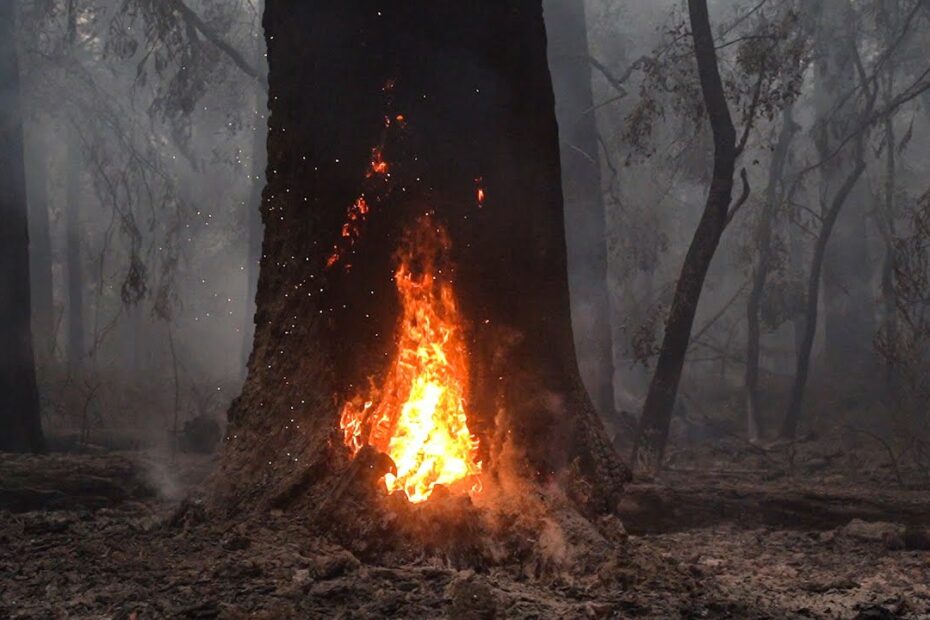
x=417, y=415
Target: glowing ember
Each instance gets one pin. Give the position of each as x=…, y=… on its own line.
x=479, y=191
x=417, y=415
x=378, y=165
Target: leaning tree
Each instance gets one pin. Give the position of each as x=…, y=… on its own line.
x=413, y=318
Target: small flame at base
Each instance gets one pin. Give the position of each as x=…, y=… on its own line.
x=417, y=416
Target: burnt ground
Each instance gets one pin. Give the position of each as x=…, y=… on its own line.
x=726, y=533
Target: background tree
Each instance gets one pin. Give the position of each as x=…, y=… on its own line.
x=585, y=218
x=660, y=401
x=20, y=424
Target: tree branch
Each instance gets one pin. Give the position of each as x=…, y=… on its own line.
x=193, y=20
x=742, y=198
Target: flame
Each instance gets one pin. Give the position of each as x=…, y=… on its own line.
x=417, y=415
x=378, y=165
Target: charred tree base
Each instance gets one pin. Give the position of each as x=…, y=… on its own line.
x=345, y=499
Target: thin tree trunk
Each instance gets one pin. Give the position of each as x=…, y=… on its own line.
x=887, y=217
x=660, y=401
x=774, y=194
x=585, y=217
x=793, y=414
x=40, y=246
x=20, y=421
x=73, y=258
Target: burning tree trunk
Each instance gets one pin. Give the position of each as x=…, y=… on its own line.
x=412, y=308
x=20, y=425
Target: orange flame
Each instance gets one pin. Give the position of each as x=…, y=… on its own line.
x=417, y=415
x=378, y=165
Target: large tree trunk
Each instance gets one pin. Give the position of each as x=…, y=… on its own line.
x=660, y=400
x=585, y=218
x=456, y=98
x=774, y=195
x=20, y=422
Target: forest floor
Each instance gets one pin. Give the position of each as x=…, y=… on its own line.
x=726, y=533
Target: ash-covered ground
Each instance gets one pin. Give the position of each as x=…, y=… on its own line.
x=88, y=536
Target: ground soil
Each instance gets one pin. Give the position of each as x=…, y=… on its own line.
x=726, y=533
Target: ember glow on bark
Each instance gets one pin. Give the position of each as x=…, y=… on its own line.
x=417, y=414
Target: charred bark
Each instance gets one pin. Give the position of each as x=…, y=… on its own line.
x=585, y=218
x=453, y=95
x=774, y=194
x=20, y=422
x=660, y=400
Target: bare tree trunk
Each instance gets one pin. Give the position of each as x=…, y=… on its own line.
x=254, y=229
x=774, y=194
x=73, y=259
x=793, y=414
x=456, y=92
x=660, y=401
x=74, y=266
x=887, y=217
x=585, y=218
x=20, y=421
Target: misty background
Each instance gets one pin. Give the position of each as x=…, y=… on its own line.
x=145, y=123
